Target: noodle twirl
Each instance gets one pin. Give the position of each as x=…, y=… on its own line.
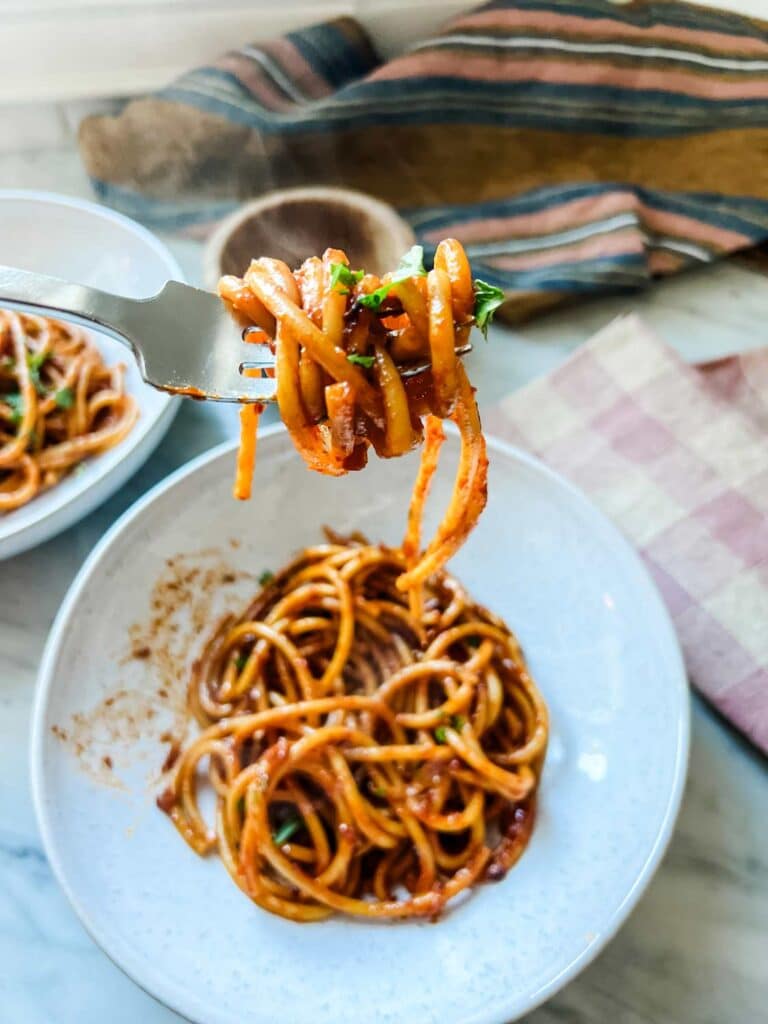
x=364, y=760
x=343, y=341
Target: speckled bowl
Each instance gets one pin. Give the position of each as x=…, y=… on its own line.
x=296, y=223
x=599, y=643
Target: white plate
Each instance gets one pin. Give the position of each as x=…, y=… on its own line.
x=600, y=645
x=87, y=243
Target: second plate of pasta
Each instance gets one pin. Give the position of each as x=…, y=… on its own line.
x=76, y=419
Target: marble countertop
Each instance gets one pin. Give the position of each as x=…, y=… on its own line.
x=694, y=950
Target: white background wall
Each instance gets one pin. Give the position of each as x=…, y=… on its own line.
x=67, y=49
x=63, y=49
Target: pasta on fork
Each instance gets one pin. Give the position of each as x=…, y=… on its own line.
x=366, y=362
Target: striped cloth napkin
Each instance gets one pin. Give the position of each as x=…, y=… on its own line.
x=573, y=146
x=677, y=456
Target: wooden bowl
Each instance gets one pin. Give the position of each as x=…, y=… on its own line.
x=293, y=224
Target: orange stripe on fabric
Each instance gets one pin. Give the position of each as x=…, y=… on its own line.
x=297, y=69
x=563, y=25
x=579, y=212
x=615, y=243
x=256, y=80
x=463, y=65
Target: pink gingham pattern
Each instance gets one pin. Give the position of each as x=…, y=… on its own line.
x=677, y=456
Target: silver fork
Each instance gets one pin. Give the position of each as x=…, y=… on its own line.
x=184, y=339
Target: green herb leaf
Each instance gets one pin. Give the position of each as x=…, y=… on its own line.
x=35, y=363
x=341, y=274
x=411, y=265
x=378, y=790
x=266, y=577
x=440, y=734
x=286, y=830
x=36, y=360
x=366, y=361
x=473, y=641
x=16, y=404
x=65, y=398
x=241, y=661
x=488, y=298
x=458, y=722
x=374, y=299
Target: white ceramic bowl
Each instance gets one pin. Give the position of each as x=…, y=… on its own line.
x=87, y=243
x=599, y=643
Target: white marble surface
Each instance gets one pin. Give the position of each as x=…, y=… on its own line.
x=693, y=952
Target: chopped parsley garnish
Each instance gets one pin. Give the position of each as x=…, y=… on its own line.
x=341, y=274
x=286, y=830
x=378, y=791
x=488, y=298
x=35, y=363
x=65, y=398
x=266, y=577
x=16, y=404
x=241, y=661
x=36, y=360
x=358, y=360
x=473, y=641
x=457, y=722
x=411, y=265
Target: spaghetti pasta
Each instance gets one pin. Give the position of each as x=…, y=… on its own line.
x=59, y=404
x=365, y=759
x=372, y=735
x=341, y=340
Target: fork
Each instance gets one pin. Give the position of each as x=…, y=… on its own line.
x=184, y=340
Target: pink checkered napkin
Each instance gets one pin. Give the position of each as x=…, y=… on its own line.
x=677, y=456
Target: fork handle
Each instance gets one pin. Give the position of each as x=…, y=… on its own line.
x=37, y=293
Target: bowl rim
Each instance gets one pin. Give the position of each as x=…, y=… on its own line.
x=386, y=216
x=99, y=210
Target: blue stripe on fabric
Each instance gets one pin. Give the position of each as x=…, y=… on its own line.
x=197, y=79
x=621, y=116
x=471, y=113
x=331, y=54
x=736, y=213
x=449, y=87
x=162, y=213
x=592, y=275
x=674, y=15
x=583, y=94
x=528, y=202
x=745, y=214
